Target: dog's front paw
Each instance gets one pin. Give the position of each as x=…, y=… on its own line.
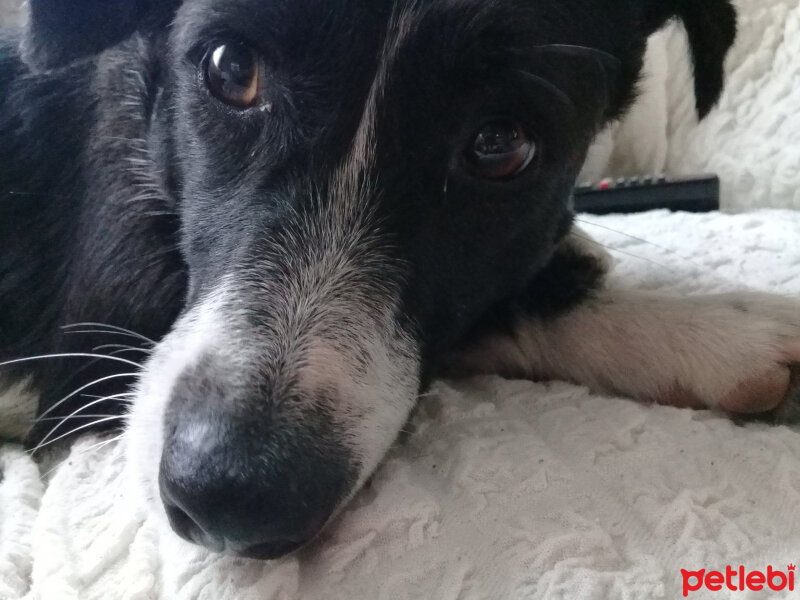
x=752, y=356
x=776, y=390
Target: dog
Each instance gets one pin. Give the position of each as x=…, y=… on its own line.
x=253, y=231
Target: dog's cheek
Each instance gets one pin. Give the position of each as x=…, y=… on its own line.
x=371, y=383
x=383, y=397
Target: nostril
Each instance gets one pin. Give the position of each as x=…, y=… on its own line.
x=188, y=528
x=179, y=518
x=181, y=522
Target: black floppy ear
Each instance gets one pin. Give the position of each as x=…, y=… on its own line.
x=711, y=27
x=61, y=31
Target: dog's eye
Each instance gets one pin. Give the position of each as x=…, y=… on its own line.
x=501, y=149
x=233, y=73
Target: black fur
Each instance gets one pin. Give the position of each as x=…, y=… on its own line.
x=711, y=28
x=81, y=242
x=61, y=32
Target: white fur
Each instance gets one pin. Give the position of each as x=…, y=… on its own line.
x=18, y=404
x=193, y=335
x=360, y=159
x=710, y=350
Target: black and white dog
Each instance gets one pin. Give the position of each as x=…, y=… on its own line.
x=314, y=207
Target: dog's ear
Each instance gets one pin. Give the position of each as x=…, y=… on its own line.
x=61, y=31
x=711, y=28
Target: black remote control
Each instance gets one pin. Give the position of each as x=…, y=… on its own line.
x=639, y=194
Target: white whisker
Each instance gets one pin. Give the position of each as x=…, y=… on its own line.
x=630, y=254
x=95, y=400
x=75, y=414
x=69, y=355
x=81, y=416
x=124, y=350
x=120, y=348
x=111, y=327
x=643, y=241
x=96, y=397
x=44, y=444
x=107, y=332
x=83, y=387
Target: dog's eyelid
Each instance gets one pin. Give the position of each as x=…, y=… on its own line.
x=551, y=88
x=195, y=55
x=607, y=67
x=210, y=38
x=607, y=59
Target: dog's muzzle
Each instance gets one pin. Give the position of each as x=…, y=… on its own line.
x=246, y=475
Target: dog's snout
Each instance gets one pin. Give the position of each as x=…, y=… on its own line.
x=249, y=485
x=220, y=517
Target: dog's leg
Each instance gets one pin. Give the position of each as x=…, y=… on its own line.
x=736, y=352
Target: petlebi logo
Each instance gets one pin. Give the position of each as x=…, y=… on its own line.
x=739, y=580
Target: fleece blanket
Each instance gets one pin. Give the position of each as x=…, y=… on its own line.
x=503, y=489
x=514, y=489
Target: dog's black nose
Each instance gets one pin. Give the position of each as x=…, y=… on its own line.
x=241, y=485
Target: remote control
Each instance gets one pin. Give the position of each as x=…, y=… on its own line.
x=638, y=194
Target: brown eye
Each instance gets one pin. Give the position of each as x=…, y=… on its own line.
x=500, y=149
x=232, y=74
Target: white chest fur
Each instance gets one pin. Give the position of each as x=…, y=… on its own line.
x=18, y=403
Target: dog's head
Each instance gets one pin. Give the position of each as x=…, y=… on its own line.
x=357, y=183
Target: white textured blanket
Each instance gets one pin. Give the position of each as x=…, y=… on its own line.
x=512, y=489
x=507, y=489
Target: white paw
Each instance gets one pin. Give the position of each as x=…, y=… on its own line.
x=748, y=357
